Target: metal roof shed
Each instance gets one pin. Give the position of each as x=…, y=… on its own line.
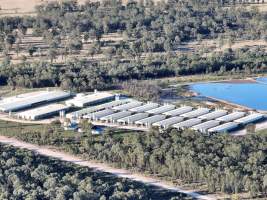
x=128, y=106
x=146, y=107
x=213, y=115
x=115, y=116
x=203, y=127
x=179, y=111
x=42, y=112
x=150, y=120
x=231, y=117
x=250, y=118
x=187, y=124
x=97, y=115
x=92, y=109
x=166, y=123
x=224, y=127
x=196, y=113
x=161, y=109
x=26, y=101
x=133, y=118
x=86, y=100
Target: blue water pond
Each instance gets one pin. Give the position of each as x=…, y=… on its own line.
x=252, y=95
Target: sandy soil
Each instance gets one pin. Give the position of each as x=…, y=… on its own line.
x=101, y=167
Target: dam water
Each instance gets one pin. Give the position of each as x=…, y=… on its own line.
x=251, y=94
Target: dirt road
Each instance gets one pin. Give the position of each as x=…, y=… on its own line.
x=101, y=167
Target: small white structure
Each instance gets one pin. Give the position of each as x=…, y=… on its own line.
x=43, y=112
x=82, y=100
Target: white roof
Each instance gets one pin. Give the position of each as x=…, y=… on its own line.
x=151, y=120
x=179, y=111
x=134, y=118
x=116, y=116
x=98, y=114
x=196, y=113
x=231, y=117
x=161, y=109
x=128, y=106
x=168, y=122
x=97, y=108
x=81, y=100
x=27, y=100
x=188, y=123
x=223, y=128
x=144, y=108
x=213, y=115
x=43, y=110
x=206, y=125
x=250, y=118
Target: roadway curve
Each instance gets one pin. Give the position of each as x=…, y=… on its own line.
x=45, y=151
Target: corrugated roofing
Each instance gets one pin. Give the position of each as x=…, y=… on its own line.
x=92, y=109
x=97, y=115
x=231, y=117
x=250, y=118
x=203, y=127
x=168, y=122
x=196, y=113
x=128, y=106
x=133, y=118
x=213, y=115
x=116, y=116
x=161, y=109
x=26, y=101
x=82, y=100
x=224, y=127
x=144, y=108
x=179, y=111
x=151, y=120
x=42, y=111
x=188, y=123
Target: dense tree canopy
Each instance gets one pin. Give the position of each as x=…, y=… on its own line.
x=25, y=175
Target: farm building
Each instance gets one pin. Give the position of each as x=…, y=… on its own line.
x=150, y=120
x=133, y=118
x=224, y=127
x=213, y=115
x=97, y=115
x=28, y=100
x=196, y=113
x=82, y=100
x=250, y=118
x=179, y=111
x=43, y=112
x=115, y=116
x=203, y=127
x=187, y=124
x=127, y=106
x=166, y=123
x=144, y=108
x=161, y=109
x=85, y=111
x=231, y=117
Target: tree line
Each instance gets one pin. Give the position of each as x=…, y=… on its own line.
x=26, y=175
x=146, y=29
x=221, y=162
